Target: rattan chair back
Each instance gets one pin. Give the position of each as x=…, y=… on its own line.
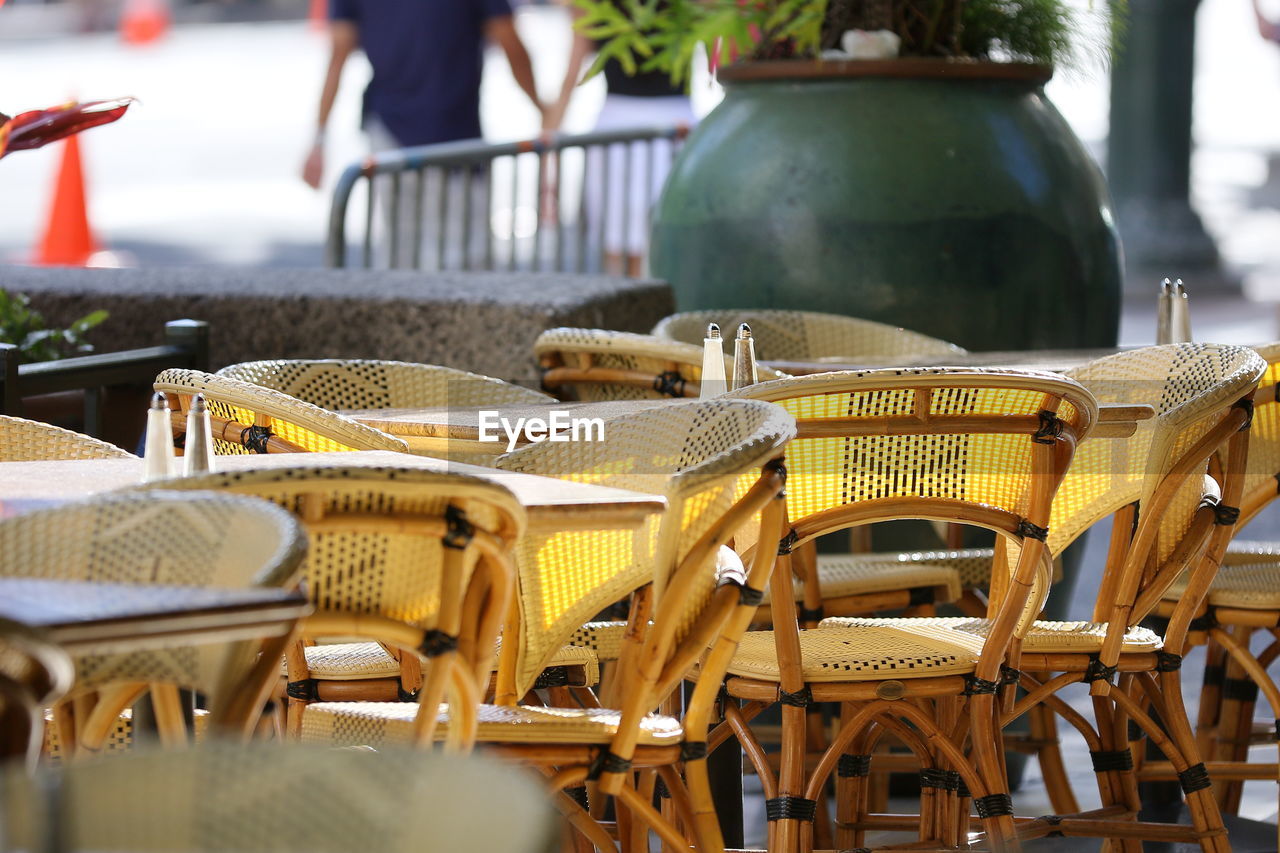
x=418, y=560
x=160, y=537
x=596, y=364
x=22, y=440
x=701, y=455
x=1264, y=438
x=249, y=418
x=806, y=335
x=371, y=384
x=282, y=797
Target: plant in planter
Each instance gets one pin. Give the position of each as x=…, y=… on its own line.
x=936, y=189
x=25, y=328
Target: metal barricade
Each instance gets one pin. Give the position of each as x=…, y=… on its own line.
x=566, y=204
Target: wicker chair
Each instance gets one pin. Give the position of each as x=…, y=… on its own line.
x=369, y=384
x=595, y=364
x=719, y=464
x=807, y=335
x=1164, y=520
x=248, y=418
x=22, y=440
x=981, y=447
x=161, y=537
x=276, y=797
x=384, y=569
x=33, y=675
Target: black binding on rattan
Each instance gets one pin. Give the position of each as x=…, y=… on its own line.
x=811, y=614
x=1135, y=732
x=778, y=466
x=660, y=789
x=306, y=690
x=1028, y=530
x=802, y=698
x=1225, y=515
x=1194, y=778
x=962, y=790
x=1214, y=674
x=853, y=766
x=1052, y=820
x=670, y=383
x=1111, y=759
x=1240, y=689
x=406, y=695
x=787, y=542
x=1095, y=671
x=552, y=676
x=993, y=805
x=460, y=532
x=254, y=438
x=578, y=795
x=921, y=595
x=1278, y=730
x=436, y=642
x=1207, y=622
x=1247, y=405
x=974, y=686
x=749, y=596
x=607, y=762
x=1168, y=662
x=1050, y=428
x=1009, y=675
x=790, y=808
x=932, y=777
x=693, y=750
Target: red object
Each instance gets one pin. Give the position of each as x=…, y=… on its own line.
x=40, y=127
x=144, y=21
x=68, y=240
x=318, y=16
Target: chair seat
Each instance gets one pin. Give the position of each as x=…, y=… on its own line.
x=1042, y=638
x=359, y=661
x=603, y=638
x=1246, y=586
x=863, y=653
x=856, y=574
x=384, y=723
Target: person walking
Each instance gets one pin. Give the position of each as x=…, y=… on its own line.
x=427, y=57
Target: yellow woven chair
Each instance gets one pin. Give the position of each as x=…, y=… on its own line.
x=370, y=384
x=719, y=465
x=248, y=418
x=277, y=797
x=413, y=565
x=22, y=440
x=1164, y=510
x=596, y=364
x=981, y=447
x=161, y=537
x=806, y=335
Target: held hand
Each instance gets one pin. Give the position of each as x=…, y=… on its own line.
x=313, y=167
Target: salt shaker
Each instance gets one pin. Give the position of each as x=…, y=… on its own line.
x=197, y=455
x=1180, y=315
x=744, y=359
x=713, y=378
x=1164, y=313
x=158, y=461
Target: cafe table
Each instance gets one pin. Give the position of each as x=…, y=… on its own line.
x=1052, y=360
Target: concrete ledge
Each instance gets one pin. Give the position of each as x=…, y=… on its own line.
x=485, y=322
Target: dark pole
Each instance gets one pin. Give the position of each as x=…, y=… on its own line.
x=1149, y=151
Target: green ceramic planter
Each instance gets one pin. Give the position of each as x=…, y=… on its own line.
x=950, y=198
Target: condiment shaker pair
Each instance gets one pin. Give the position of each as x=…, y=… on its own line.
x=197, y=454
x=744, y=362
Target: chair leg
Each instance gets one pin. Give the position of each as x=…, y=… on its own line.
x=1044, y=730
x=1235, y=722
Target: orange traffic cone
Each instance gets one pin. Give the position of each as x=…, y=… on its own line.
x=68, y=240
x=144, y=21
x=319, y=15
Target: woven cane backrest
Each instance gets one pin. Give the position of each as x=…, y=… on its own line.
x=22, y=440
x=370, y=384
x=1264, y=438
x=806, y=335
x=1191, y=387
x=695, y=453
x=249, y=418
x=160, y=537
x=945, y=444
x=596, y=364
x=280, y=797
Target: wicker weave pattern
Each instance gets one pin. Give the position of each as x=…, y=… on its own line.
x=645, y=356
x=200, y=540
x=1247, y=586
x=22, y=440
x=1044, y=637
x=1264, y=436
x=694, y=453
x=864, y=653
x=353, y=661
x=603, y=638
x=370, y=384
x=856, y=574
x=302, y=424
x=806, y=335
x=379, y=724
